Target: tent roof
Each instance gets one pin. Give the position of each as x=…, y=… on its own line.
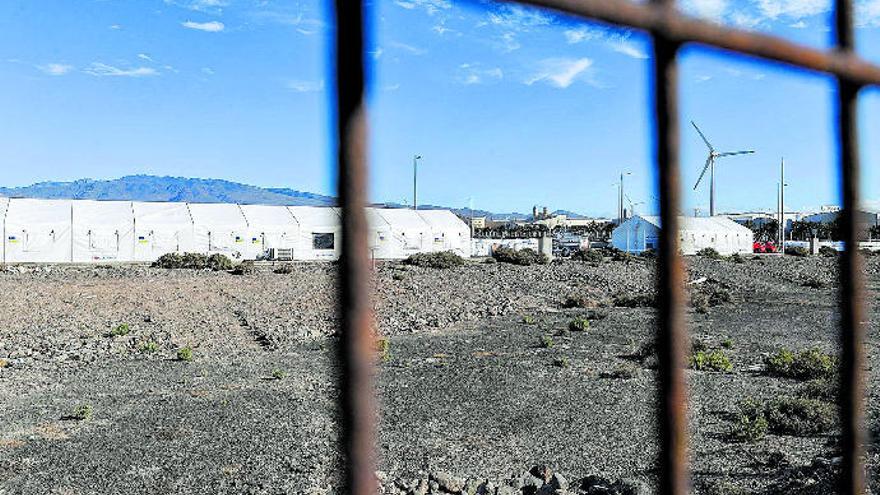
x=217, y=215
x=316, y=216
x=443, y=219
x=160, y=213
x=700, y=224
x=261, y=216
x=403, y=219
x=27, y=212
x=375, y=220
x=88, y=212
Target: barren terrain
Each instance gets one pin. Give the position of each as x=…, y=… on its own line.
x=482, y=380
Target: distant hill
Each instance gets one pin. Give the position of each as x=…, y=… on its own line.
x=153, y=188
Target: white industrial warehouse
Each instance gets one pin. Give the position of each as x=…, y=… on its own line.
x=642, y=233
x=85, y=231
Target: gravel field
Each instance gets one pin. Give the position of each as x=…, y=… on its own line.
x=484, y=388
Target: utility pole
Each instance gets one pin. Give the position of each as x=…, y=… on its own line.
x=416, y=159
x=620, y=195
x=782, y=205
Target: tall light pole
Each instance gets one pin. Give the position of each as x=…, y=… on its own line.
x=620, y=196
x=782, y=185
x=416, y=159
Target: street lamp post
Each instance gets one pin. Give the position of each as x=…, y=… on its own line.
x=620, y=196
x=416, y=159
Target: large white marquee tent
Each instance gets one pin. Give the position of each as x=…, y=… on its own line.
x=86, y=231
x=641, y=233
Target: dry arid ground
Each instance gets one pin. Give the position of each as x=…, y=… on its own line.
x=483, y=387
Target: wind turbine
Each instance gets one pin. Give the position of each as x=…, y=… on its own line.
x=710, y=165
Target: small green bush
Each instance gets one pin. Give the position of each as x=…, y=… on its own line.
x=638, y=300
x=579, y=325
x=737, y=258
x=246, y=267
x=561, y=362
x=822, y=389
x=806, y=365
x=149, y=347
x=82, y=412
x=797, y=251
x=714, y=360
x=524, y=257
x=185, y=354
x=623, y=372
x=440, y=260
x=383, y=349
x=194, y=261
x=750, y=424
x=828, y=251
x=727, y=343
x=120, y=330
x=710, y=253
x=529, y=320
x=546, y=341
x=799, y=416
x=278, y=374
x=589, y=256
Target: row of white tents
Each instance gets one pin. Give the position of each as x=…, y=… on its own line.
x=86, y=231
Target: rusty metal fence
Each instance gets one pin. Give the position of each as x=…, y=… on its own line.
x=669, y=30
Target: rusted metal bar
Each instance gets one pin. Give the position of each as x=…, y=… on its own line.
x=671, y=331
x=851, y=284
x=677, y=27
x=356, y=348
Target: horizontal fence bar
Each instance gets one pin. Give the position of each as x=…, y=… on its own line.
x=675, y=26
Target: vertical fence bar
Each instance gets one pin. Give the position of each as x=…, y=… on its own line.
x=355, y=310
x=672, y=334
x=851, y=284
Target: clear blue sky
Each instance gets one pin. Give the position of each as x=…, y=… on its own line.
x=507, y=105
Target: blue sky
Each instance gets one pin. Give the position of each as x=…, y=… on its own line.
x=507, y=105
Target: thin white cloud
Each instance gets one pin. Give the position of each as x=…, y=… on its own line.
x=144, y=56
x=703, y=78
x=302, y=23
x=415, y=50
x=573, y=36
x=103, y=70
x=306, y=86
x=560, y=72
x=429, y=6
x=211, y=26
x=391, y=87
x=116, y=27
x=208, y=71
x=629, y=49
x=868, y=13
x=208, y=6
x=377, y=53
x=518, y=18
x=55, y=69
x=799, y=25
x=713, y=10
x=469, y=74
x=793, y=9
x=509, y=42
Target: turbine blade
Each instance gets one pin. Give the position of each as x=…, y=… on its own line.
x=733, y=153
x=702, y=136
x=708, y=161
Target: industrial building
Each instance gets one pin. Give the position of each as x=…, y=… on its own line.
x=85, y=231
x=642, y=233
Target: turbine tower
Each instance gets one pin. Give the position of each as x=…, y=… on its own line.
x=710, y=165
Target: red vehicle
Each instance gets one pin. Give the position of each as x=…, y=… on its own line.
x=764, y=247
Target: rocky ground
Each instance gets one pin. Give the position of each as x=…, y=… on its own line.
x=483, y=388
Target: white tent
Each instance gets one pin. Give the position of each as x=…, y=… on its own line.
x=320, y=230
x=222, y=228
x=448, y=232
x=4, y=202
x=161, y=228
x=37, y=230
x=102, y=231
x=410, y=233
x=380, y=238
x=641, y=233
x=274, y=226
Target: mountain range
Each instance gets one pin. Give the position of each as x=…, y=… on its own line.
x=155, y=188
